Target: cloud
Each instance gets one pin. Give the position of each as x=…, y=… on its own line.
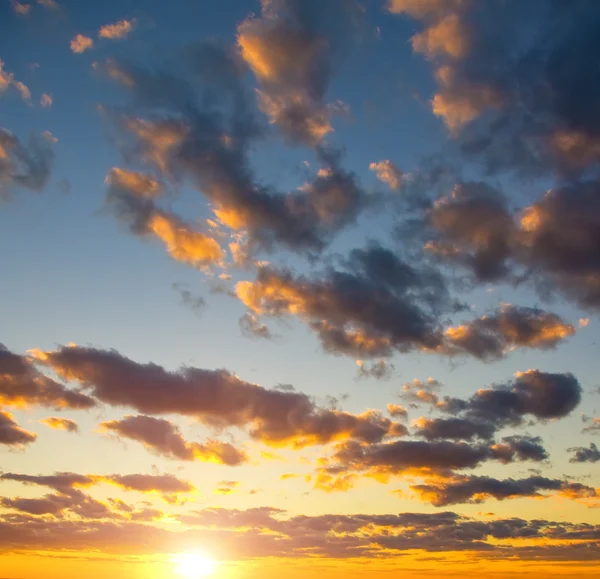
x=118, y=30
x=397, y=411
x=267, y=532
x=215, y=397
x=22, y=385
x=583, y=454
x=21, y=9
x=131, y=198
x=594, y=427
x=25, y=165
x=210, y=148
x=7, y=80
x=491, y=337
x=50, y=4
x=46, y=100
x=381, y=370
x=226, y=487
x=60, y=424
x=292, y=49
x=164, y=437
x=377, y=304
x=478, y=489
x=11, y=434
x=388, y=173
x=67, y=483
x=80, y=43
x=541, y=395
x=383, y=460
x=188, y=299
x=252, y=328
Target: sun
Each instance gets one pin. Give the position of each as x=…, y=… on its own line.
x=194, y=565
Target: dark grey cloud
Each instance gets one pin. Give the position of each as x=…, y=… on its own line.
x=25, y=165
x=584, y=454
x=21, y=384
x=216, y=397
x=478, y=489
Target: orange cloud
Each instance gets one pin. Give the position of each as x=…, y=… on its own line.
x=60, y=424
x=118, y=30
x=81, y=43
x=388, y=173
x=11, y=434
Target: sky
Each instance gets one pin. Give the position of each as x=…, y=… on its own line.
x=299, y=286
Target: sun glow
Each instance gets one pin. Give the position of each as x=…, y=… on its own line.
x=194, y=565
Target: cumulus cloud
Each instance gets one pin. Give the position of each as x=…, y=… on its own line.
x=164, y=437
x=25, y=165
x=594, y=427
x=388, y=173
x=60, y=424
x=397, y=411
x=292, y=49
x=210, y=146
x=376, y=305
x=118, y=30
x=215, y=397
x=11, y=434
x=80, y=43
x=491, y=336
x=583, y=454
x=22, y=385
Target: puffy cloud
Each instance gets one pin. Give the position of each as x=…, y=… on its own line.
x=292, y=49
x=46, y=100
x=478, y=489
x=542, y=395
x=397, y=411
x=22, y=385
x=11, y=434
x=60, y=424
x=25, y=165
x=165, y=438
x=380, y=370
x=215, y=397
x=388, y=173
x=7, y=79
x=491, y=337
x=453, y=428
x=80, y=43
x=210, y=147
x=377, y=304
x=118, y=30
x=583, y=454
x=386, y=459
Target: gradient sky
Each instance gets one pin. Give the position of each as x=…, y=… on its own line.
x=299, y=286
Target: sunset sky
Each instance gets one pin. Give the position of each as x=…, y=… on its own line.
x=299, y=288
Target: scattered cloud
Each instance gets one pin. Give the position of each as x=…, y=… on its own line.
x=11, y=434
x=46, y=101
x=80, y=43
x=164, y=438
x=388, y=173
x=583, y=454
x=118, y=30
x=60, y=424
